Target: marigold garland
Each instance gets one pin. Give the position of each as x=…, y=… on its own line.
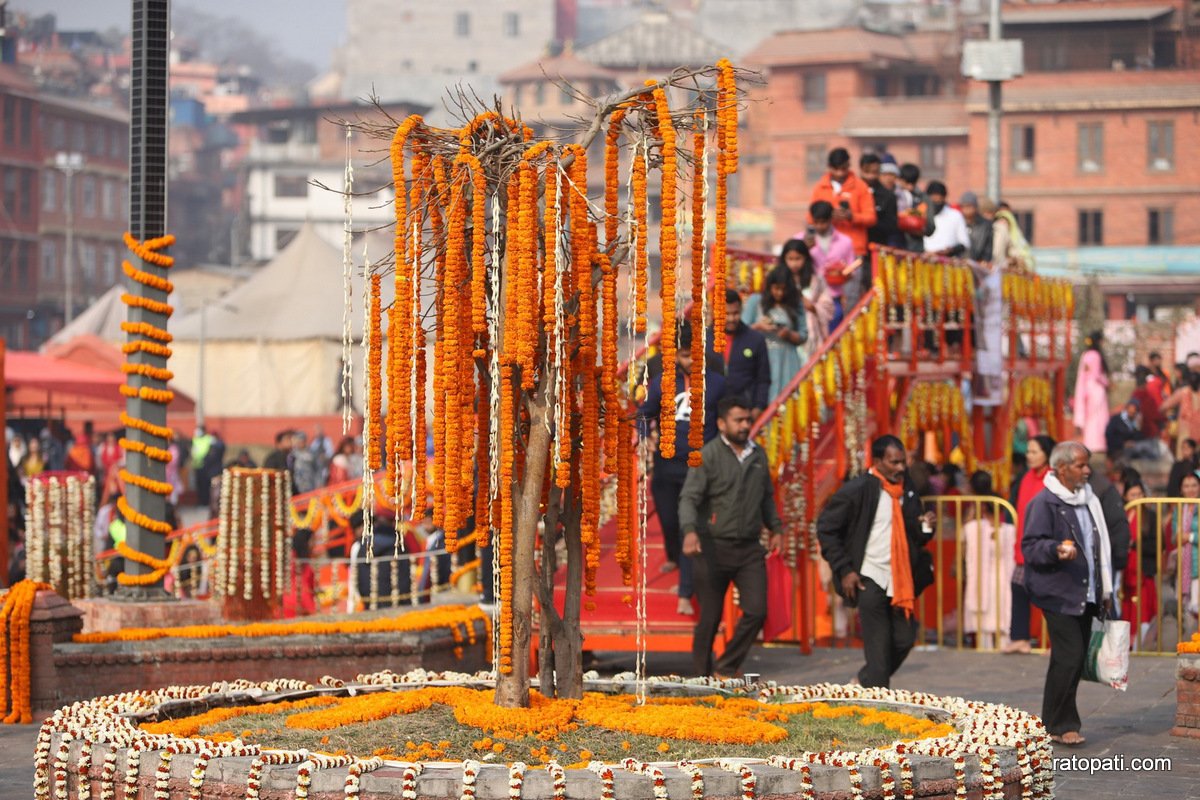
x=147, y=279
x=160, y=431
x=14, y=651
x=727, y=164
x=696, y=400
x=140, y=519
x=152, y=348
x=374, y=363
x=148, y=330
x=147, y=371
x=153, y=306
x=669, y=247
x=149, y=451
x=160, y=396
x=641, y=260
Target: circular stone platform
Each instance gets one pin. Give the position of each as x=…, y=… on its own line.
x=995, y=752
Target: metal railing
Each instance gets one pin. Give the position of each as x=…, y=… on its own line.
x=1152, y=586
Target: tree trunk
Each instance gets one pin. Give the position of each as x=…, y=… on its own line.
x=568, y=643
x=512, y=689
x=551, y=624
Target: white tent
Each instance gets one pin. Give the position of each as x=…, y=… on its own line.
x=272, y=346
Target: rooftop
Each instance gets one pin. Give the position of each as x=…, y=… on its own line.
x=918, y=116
x=1083, y=13
x=657, y=40
x=836, y=46
x=565, y=66
x=1111, y=90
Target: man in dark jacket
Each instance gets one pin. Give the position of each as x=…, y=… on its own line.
x=727, y=505
x=666, y=483
x=858, y=538
x=886, y=230
x=747, y=367
x=1069, y=575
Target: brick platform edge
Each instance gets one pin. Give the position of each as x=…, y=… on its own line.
x=933, y=779
x=65, y=672
x=1187, y=696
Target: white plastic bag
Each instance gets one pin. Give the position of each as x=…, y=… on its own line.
x=1108, y=653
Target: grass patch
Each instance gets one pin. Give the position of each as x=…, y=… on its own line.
x=433, y=734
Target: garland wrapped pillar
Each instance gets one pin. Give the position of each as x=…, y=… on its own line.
x=253, y=539
x=145, y=417
x=60, y=513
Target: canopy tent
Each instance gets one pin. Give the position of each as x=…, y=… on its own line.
x=273, y=344
x=39, y=385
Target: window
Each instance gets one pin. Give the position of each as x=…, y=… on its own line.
x=291, y=186
x=512, y=24
x=462, y=24
x=1025, y=223
x=28, y=177
x=58, y=134
x=88, y=190
x=881, y=85
x=814, y=91
x=87, y=262
x=79, y=137
x=10, y=193
x=1161, y=226
x=110, y=265
x=49, y=190
x=117, y=143
x=49, y=259
x=566, y=96
x=933, y=160
x=1091, y=227
x=99, y=140
x=768, y=188
x=814, y=162
x=284, y=236
x=539, y=94
x=10, y=119
x=1160, y=146
x=1090, y=149
x=108, y=202
x=1021, y=140
x=26, y=123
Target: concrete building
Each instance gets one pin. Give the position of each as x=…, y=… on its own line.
x=421, y=50
x=20, y=149
x=293, y=173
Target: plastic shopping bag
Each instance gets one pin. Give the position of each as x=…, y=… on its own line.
x=1108, y=653
x=779, y=597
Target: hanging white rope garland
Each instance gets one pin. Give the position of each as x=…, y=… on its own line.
x=347, y=291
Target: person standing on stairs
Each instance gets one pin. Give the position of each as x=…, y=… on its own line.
x=873, y=533
x=747, y=365
x=726, y=509
x=666, y=482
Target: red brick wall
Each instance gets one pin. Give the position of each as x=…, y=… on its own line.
x=1187, y=697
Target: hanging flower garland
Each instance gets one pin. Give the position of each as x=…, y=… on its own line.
x=699, y=222
x=373, y=453
x=669, y=248
x=15, y=652
x=60, y=514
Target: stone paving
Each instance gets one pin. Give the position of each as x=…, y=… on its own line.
x=1132, y=724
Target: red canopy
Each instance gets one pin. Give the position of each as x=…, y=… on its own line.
x=40, y=383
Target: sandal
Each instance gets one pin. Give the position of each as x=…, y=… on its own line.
x=1068, y=739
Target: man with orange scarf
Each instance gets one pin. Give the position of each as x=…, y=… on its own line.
x=873, y=533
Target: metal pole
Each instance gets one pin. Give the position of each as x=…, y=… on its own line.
x=68, y=265
x=994, y=113
x=200, y=384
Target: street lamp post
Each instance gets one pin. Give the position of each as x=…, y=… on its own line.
x=69, y=164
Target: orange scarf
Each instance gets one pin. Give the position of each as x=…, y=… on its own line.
x=903, y=595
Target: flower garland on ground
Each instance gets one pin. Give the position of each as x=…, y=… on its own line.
x=14, y=639
x=151, y=340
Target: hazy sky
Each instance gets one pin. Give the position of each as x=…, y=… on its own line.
x=307, y=29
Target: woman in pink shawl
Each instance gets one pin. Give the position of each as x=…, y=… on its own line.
x=1091, y=411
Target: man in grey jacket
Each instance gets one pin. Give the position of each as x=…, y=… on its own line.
x=727, y=505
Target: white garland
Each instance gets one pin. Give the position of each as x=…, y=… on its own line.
x=516, y=779
x=348, y=290
x=470, y=771
x=61, y=513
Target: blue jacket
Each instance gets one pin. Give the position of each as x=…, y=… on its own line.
x=714, y=388
x=1053, y=584
x=748, y=372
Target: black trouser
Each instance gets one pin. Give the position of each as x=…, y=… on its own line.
x=1020, y=613
x=665, y=488
x=720, y=562
x=888, y=635
x=1069, y=637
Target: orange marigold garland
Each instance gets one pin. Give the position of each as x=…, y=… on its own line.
x=696, y=421
x=669, y=247
x=374, y=363
x=641, y=263
x=14, y=651
x=727, y=162
x=439, y=367
x=504, y=541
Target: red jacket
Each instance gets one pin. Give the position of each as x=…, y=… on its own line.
x=1032, y=482
x=862, y=205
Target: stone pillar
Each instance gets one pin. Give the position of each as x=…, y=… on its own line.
x=1187, y=696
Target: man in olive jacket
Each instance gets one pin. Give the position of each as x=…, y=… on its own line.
x=727, y=504
x=856, y=534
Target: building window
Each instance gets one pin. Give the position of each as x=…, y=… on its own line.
x=116, y=143
x=99, y=140
x=814, y=162
x=49, y=190
x=1090, y=149
x=1022, y=143
x=28, y=177
x=1091, y=227
x=10, y=120
x=1161, y=226
x=462, y=24
x=79, y=137
x=539, y=94
x=87, y=262
x=1025, y=223
x=933, y=160
x=512, y=24
x=881, y=85
x=26, y=124
x=58, y=134
x=1160, y=146
x=10, y=192
x=49, y=259
x=108, y=202
x=566, y=96
x=284, y=236
x=768, y=188
x=291, y=186
x=88, y=190
x=814, y=91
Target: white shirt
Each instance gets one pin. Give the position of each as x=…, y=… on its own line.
x=949, y=229
x=877, y=560
x=746, y=451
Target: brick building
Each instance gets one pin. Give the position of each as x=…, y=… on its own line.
x=1093, y=133
x=20, y=147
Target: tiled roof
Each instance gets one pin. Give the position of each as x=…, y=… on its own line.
x=657, y=40
x=1046, y=92
x=924, y=116
x=836, y=46
x=566, y=66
